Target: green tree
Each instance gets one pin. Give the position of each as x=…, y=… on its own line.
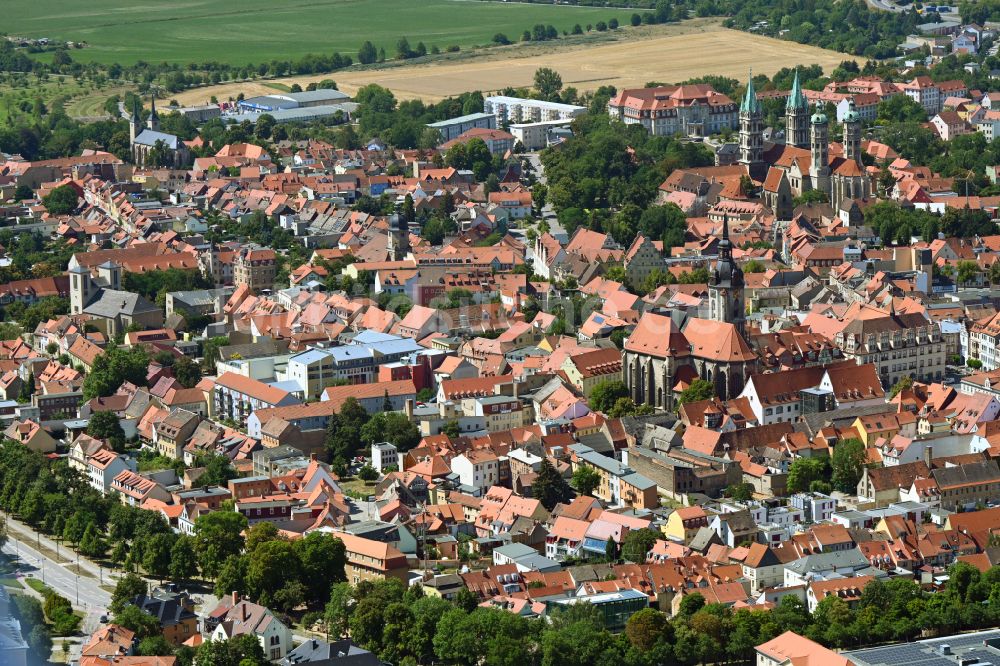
x=270, y=567
x=549, y=487
x=338, y=609
x=367, y=54
x=92, y=544
x=135, y=619
x=967, y=272
x=585, y=480
x=804, y=471
x=699, y=389
x=260, y=534
x=186, y=372
x=847, y=463
x=548, y=83
x=344, y=432
x=218, y=535
x=61, y=200
x=112, y=368
x=127, y=588
x=107, y=426
x=403, y=49
x=323, y=558
x=392, y=427
x=27, y=389
x=627, y=407
x=741, y=492
x=156, y=553
x=606, y=393
x=638, y=543
x=218, y=470
x=232, y=576
x=451, y=428
x=903, y=384
x=183, y=559
x=645, y=628
x=243, y=650
x=419, y=635
x=155, y=646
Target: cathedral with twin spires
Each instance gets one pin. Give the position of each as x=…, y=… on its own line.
x=806, y=160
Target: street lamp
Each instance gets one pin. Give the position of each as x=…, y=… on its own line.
x=78, y=579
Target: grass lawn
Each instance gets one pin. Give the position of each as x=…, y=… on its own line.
x=358, y=489
x=36, y=585
x=11, y=582
x=242, y=31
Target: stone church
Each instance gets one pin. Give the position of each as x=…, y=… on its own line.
x=804, y=162
x=145, y=141
x=665, y=353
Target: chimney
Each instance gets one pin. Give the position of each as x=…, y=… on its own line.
x=928, y=454
x=312, y=457
x=408, y=408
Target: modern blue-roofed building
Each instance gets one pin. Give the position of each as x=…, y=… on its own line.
x=299, y=100
x=355, y=363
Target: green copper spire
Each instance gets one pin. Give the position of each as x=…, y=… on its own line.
x=750, y=102
x=796, y=100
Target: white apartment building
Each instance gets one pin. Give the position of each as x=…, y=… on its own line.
x=384, y=455
x=517, y=110
x=478, y=469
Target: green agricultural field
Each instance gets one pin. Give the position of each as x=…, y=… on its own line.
x=245, y=31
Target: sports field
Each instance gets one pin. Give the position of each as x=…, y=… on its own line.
x=244, y=31
x=670, y=54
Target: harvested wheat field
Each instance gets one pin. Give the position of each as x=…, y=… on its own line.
x=670, y=54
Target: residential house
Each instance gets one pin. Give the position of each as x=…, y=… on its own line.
x=32, y=435
x=240, y=617
x=103, y=466
x=684, y=523
x=172, y=433
x=372, y=560
x=477, y=469
x=173, y=612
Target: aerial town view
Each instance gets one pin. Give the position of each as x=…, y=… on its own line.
x=500, y=333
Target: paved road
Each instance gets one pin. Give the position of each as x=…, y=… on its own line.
x=536, y=165
x=92, y=600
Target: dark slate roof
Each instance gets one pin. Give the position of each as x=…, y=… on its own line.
x=149, y=138
x=168, y=610
x=112, y=303
x=339, y=653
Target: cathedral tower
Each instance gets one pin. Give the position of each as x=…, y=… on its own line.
x=797, y=117
x=819, y=169
x=153, y=122
x=134, y=122
x=725, y=288
x=852, y=134
x=752, y=131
